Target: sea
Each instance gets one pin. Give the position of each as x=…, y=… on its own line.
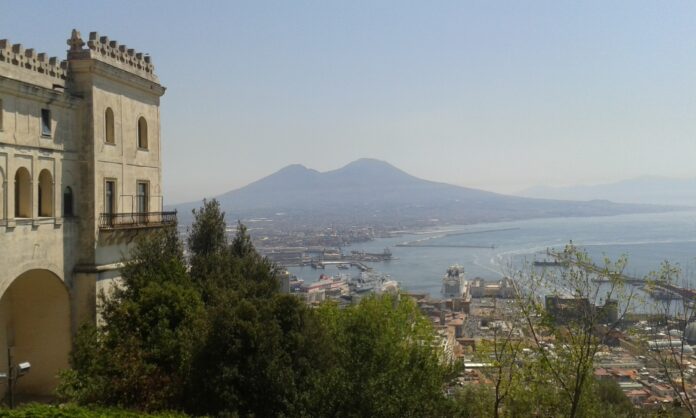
x=494, y=250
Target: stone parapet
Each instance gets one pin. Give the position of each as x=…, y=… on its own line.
x=28, y=65
x=111, y=52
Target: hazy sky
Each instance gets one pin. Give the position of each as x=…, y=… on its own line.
x=495, y=95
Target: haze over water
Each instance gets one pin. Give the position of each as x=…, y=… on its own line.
x=647, y=239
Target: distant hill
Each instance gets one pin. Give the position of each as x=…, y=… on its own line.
x=373, y=192
x=644, y=190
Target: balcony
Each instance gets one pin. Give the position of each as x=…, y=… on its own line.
x=136, y=220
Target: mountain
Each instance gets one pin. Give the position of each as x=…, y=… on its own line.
x=644, y=190
x=371, y=192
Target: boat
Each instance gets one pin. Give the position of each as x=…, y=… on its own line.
x=343, y=266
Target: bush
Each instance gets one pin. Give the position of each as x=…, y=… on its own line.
x=73, y=411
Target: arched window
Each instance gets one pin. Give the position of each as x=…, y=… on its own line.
x=22, y=194
x=68, y=202
x=142, y=133
x=45, y=193
x=109, y=126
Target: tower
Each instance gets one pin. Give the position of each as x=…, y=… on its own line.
x=80, y=181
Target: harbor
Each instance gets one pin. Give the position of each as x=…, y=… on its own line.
x=319, y=258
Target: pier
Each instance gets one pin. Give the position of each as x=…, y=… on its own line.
x=417, y=245
x=657, y=285
x=422, y=242
x=322, y=264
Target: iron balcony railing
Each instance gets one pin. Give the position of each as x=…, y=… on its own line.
x=136, y=220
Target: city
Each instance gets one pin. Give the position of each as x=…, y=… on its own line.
x=324, y=209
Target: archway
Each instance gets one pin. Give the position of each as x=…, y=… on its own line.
x=22, y=193
x=35, y=326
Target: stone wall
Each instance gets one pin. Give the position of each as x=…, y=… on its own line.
x=53, y=266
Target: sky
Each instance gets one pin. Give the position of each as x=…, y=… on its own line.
x=488, y=94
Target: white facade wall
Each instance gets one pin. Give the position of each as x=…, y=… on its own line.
x=72, y=249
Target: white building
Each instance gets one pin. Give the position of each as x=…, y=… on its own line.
x=80, y=180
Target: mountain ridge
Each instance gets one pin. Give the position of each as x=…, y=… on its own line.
x=370, y=191
x=641, y=190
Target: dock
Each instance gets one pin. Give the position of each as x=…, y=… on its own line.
x=660, y=285
x=317, y=264
x=417, y=245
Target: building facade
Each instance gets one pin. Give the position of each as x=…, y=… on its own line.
x=80, y=180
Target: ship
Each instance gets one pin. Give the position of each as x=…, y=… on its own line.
x=374, y=282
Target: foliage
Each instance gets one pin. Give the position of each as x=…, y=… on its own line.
x=474, y=401
x=74, y=411
x=384, y=361
x=677, y=315
x=259, y=354
x=152, y=325
x=611, y=399
x=260, y=358
x=577, y=329
x=219, y=338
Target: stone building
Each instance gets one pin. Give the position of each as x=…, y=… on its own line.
x=503, y=288
x=80, y=180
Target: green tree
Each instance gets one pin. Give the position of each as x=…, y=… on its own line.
x=152, y=326
x=474, y=401
x=579, y=328
x=504, y=354
x=252, y=275
x=385, y=361
x=611, y=399
x=209, y=255
x=220, y=339
x=263, y=349
x=261, y=358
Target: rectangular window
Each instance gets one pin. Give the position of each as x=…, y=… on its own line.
x=109, y=197
x=68, y=202
x=143, y=197
x=45, y=122
x=1, y=112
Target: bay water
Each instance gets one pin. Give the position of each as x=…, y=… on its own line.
x=492, y=250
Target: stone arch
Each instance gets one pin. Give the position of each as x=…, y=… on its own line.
x=45, y=193
x=35, y=326
x=22, y=196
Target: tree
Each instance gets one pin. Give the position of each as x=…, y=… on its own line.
x=504, y=354
x=574, y=318
x=676, y=311
x=219, y=338
x=261, y=358
x=474, y=401
x=254, y=276
x=263, y=349
x=152, y=324
x=209, y=256
x=385, y=362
